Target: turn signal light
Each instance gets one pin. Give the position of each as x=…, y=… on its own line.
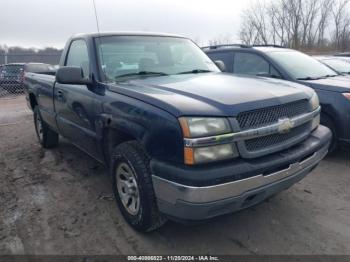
x=189, y=156
x=347, y=95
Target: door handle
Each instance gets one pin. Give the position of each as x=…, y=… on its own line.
x=60, y=94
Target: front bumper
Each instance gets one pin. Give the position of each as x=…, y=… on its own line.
x=188, y=202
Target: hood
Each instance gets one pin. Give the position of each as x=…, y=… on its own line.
x=211, y=94
x=334, y=84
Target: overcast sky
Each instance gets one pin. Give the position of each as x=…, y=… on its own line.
x=39, y=23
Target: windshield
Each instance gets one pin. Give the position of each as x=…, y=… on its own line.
x=301, y=66
x=338, y=65
x=122, y=56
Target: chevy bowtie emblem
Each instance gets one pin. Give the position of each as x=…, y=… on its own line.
x=285, y=125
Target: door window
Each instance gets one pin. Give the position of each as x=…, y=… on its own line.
x=252, y=64
x=226, y=57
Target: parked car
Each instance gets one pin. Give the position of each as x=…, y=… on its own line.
x=1, y=66
x=40, y=68
x=288, y=64
x=11, y=78
x=343, y=58
x=12, y=75
x=337, y=64
x=345, y=54
x=1, y=76
x=181, y=139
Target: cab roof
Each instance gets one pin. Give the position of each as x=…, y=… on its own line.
x=126, y=33
x=261, y=48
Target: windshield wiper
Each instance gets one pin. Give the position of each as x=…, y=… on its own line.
x=143, y=73
x=309, y=78
x=195, y=71
x=329, y=76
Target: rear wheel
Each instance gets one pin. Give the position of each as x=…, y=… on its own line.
x=133, y=188
x=326, y=121
x=46, y=136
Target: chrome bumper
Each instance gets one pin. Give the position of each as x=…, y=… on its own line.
x=171, y=192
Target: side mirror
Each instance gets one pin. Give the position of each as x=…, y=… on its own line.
x=71, y=75
x=220, y=65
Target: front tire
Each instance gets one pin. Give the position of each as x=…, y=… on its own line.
x=133, y=188
x=46, y=136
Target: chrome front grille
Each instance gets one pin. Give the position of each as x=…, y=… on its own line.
x=270, y=115
x=256, y=144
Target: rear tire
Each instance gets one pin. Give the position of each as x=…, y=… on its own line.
x=327, y=121
x=133, y=188
x=46, y=136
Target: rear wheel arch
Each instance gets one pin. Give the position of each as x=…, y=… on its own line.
x=46, y=136
x=32, y=100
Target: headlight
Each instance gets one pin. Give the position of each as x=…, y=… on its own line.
x=347, y=95
x=200, y=127
x=209, y=154
x=204, y=126
x=315, y=102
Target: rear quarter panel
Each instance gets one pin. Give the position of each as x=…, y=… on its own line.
x=41, y=86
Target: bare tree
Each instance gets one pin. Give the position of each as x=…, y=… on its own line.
x=309, y=14
x=255, y=24
x=300, y=24
x=324, y=14
x=341, y=23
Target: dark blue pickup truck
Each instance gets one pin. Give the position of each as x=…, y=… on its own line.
x=181, y=139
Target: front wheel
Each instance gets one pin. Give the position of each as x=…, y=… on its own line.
x=133, y=188
x=46, y=136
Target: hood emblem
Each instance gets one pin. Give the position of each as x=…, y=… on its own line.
x=285, y=125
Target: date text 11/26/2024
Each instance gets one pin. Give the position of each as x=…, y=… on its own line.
x=173, y=258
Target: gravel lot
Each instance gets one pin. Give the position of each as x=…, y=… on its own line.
x=60, y=202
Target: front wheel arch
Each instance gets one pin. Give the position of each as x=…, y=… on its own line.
x=111, y=139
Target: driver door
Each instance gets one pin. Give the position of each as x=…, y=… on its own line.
x=75, y=104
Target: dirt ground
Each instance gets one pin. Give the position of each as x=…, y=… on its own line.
x=60, y=202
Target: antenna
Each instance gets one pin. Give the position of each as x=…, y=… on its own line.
x=98, y=31
x=97, y=25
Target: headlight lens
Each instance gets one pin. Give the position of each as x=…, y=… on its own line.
x=315, y=102
x=209, y=154
x=204, y=126
x=214, y=153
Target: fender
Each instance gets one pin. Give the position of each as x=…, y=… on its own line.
x=157, y=132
